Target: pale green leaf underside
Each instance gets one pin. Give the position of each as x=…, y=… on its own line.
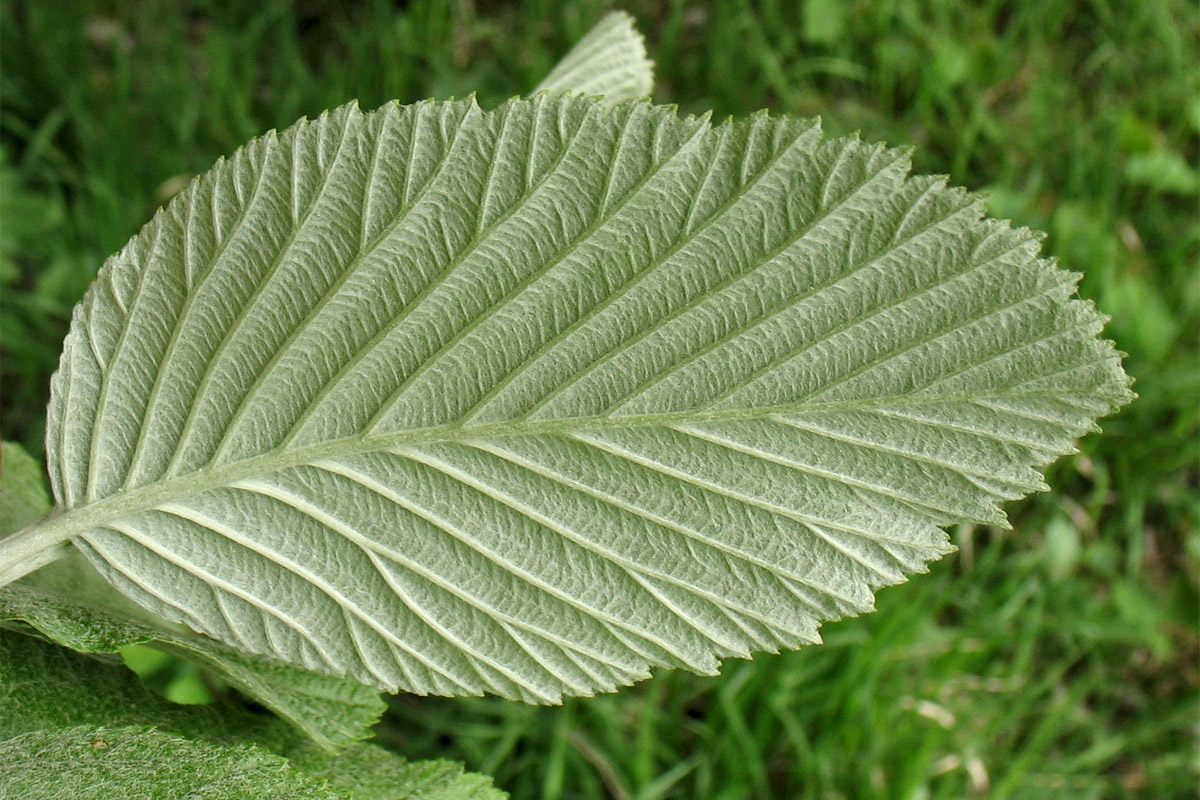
x=23, y=496
x=530, y=401
x=333, y=712
x=610, y=61
x=70, y=604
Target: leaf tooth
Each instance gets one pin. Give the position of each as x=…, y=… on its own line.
x=632, y=506
x=693, y=656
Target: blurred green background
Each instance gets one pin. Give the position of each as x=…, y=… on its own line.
x=1058, y=659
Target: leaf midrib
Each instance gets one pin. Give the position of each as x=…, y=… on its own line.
x=72, y=522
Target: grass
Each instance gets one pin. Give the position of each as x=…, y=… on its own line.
x=1056, y=660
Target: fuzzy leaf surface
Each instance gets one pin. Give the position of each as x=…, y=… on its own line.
x=531, y=401
x=609, y=61
x=126, y=742
x=75, y=728
x=23, y=496
x=69, y=603
x=62, y=604
x=140, y=763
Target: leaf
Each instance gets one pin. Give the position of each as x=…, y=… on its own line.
x=139, y=763
x=46, y=687
x=67, y=732
x=609, y=61
x=533, y=400
x=70, y=604
x=72, y=727
x=333, y=712
x=23, y=499
x=23, y=496
x=372, y=773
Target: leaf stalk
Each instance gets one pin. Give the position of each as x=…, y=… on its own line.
x=32, y=548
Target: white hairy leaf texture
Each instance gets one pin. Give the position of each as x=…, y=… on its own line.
x=23, y=496
x=609, y=61
x=531, y=401
x=68, y=603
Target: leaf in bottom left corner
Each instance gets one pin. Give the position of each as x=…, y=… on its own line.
x=87, y=762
